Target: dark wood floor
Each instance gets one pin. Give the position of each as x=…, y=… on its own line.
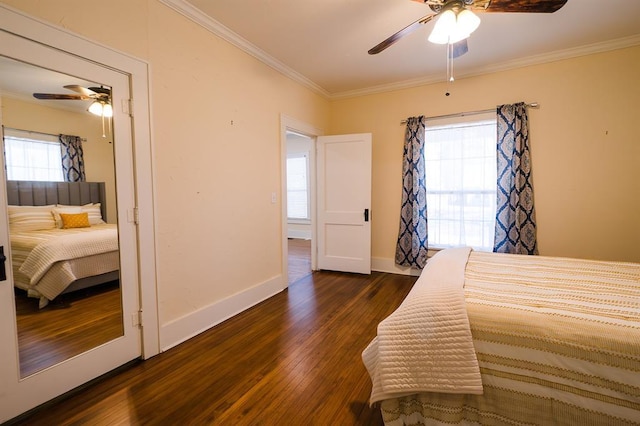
x=294, y=359
x=69, y=325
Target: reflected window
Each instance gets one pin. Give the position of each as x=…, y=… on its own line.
x=30, y=156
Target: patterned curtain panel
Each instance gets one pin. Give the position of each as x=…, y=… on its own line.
x=72, y=161
x=515, y=215
x=411, y=249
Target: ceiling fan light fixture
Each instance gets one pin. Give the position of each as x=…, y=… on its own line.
x=467, y=21
x=107, y=110
x=445, y=25
x=451, y=27
x=96, y=108
x=101, y=109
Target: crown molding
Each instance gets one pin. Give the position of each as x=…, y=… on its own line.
x=558, y=55
x=217, y=28
x=199, y=17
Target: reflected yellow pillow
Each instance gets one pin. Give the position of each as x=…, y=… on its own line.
x=74, y=220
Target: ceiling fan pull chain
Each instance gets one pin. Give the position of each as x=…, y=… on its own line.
x=450, y=62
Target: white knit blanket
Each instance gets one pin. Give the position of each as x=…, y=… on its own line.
x=426, y=344
x=72, y=245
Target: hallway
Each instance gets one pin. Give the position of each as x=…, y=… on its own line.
x=299, y=259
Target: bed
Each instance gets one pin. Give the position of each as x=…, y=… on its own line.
x=60, y=241
x=493, y=339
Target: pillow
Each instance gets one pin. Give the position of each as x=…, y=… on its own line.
x=95, y=215
x=63, y=209
x=92, y=209
x=30, y=218
x=75, y=220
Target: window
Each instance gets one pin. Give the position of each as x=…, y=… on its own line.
x=298, y=186
x=460, y=165
x=29, y=157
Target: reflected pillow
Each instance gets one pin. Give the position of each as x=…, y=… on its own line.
x=30, y=218
x=95, y=215
x=75, y=220
x=64, y=209
x=92, y=209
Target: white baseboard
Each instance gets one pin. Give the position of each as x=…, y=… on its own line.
x=299, y=233
x=381, y=264
x=188, y=326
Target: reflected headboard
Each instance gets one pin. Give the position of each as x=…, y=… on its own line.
x=35, y=193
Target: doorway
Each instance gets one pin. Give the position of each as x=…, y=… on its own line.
x=298, y=144
x=339, y=199
x=299, y=195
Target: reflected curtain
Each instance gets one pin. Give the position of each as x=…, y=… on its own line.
x=72, y=161
x=515, y=214
x=411, y=249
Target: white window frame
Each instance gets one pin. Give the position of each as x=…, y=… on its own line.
x=438, y=238
x=307, y=219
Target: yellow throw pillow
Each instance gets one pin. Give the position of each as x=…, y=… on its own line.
x=74, y=220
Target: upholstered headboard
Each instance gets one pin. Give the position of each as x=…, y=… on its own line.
x=34, y=193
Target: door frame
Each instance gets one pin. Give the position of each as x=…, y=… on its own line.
x=293, y=125
x=31, y=29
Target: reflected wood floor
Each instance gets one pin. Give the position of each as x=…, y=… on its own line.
x=69, y=325
x=294, y=359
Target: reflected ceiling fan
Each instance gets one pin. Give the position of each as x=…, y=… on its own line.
x=457, y=20
x=101, y=96
x=84, y=93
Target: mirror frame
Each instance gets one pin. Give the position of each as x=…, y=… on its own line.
x=22, y=25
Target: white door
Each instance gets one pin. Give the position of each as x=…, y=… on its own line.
x=344, y=203
x=19, y=394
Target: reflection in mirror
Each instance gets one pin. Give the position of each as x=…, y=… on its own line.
x=60, y=180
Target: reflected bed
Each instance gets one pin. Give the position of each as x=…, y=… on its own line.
x=59, y=240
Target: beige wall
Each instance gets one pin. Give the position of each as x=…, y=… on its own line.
x=584, y=142
x=215, y=114
x=98, y=151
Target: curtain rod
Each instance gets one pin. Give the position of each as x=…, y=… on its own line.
x=464, y=114
x=39, y=133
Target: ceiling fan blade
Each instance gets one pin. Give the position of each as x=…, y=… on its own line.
x=59, y=96
x=397, y=36
x=525, y=6
x=80, y=89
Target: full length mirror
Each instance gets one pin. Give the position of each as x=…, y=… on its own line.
x=59, y=161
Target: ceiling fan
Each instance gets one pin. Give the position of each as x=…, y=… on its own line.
x=96, y=93
x=456, y=8
x=101, y=96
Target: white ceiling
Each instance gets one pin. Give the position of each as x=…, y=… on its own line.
x=20, y=80
x=325, y=42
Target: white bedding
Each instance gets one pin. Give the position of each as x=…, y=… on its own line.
x=557, y=342
x=426, y=344
x=45, y=262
